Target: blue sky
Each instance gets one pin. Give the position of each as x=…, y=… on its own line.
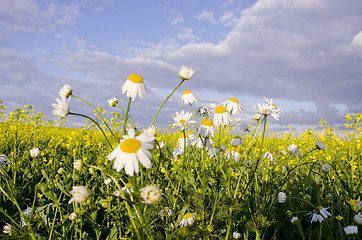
x=305, y=54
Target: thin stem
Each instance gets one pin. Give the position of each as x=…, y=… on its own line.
x=154, y=119
x=99, y=114
x=125, y=118
x=81, y=115
x=193, y=115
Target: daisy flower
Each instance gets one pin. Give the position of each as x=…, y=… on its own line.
x=325, y=168
x=188, y=97
x=72, y=216
x=351, y=230
x=65, y=91
x=134, y=87
x=182, y=119
x=221, y=116
x=80, y=194
x=150, y=194
x=77, y=164
x=294, y=220
x=269, y=155
x=186, y=73
x=165, y=211
x=200, y=142
x=269, y=108
x=34, y=152
x=7, y=229
x=236, y=235
x=204, y=112
x=207, y=128
x=233, y=154
x=185, y=139
x=213, y=151
x=107, y=181
x=130, y=150
x=61, y=108
x=188, y=219
x=113, y=102
x=232, y=105
x=358, y=218
x=151, y=130
x=176, y=152
x=294, y=149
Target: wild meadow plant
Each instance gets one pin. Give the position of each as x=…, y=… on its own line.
x=210, y=175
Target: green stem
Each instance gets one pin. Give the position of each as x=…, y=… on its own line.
x=125, y=118
x=81, y=115
x=154, y=119
x=55, y=216
x=193, y=115
x=99, y=114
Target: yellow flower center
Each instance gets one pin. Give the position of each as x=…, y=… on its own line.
x=320, y=207
x=220, y=109
x=135, y=78
x=183, y=121
x=188, y=216
x=130, y=145
x=233, y=149
x=207, y=122
x=234, y=100
x=187, y=92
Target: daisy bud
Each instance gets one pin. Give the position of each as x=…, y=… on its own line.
x=186, y=73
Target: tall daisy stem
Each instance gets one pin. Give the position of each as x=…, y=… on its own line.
x=125, y=117
x=193, y=115
x=81, y=115
x=154, y=119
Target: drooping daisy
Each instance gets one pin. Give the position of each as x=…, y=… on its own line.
x=186, y=73
x=80, y=194
x=61, y=108
x=188, y=219
x=282, y=197
x=151, y=130
x=182, y=119
x=134, y=87
x=232, y=105
x=351, y=230
x=165, y=212
x=3, y=161
x=200, y=142
x=185, y=139
x=294, y=149
x=188, y=97
x=204, y=111
x=113, y=102
x=65, y=91
x=150, y=194
x=221, y=116
x=324, y=211
x=130, y=150
x=294, y=220
x=207, y=128
x=34, y=152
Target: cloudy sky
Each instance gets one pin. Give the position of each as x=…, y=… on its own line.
x=305, y=54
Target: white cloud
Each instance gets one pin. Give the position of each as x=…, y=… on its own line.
x=175, y=17
x=207, y=16
x=187, y=35
x=356, y=43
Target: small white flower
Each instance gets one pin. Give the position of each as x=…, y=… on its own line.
x=182, y=119
x=257, y=117
x=72, y=216
x=128, y=188
x=358, y=218
x=165, y=211
x=185, y=139
x=233, y=154
x=7, y=229
x=324, y=212
x=188, y=97
x=207, y=128
x=134, y=87
x=232, y=105
x=282, y=197
x=151, y=130
x=79, y=194
x=107, y=181
x=188, y=219
x=204, y=112
x=294, y=149
x=269, y=108
x=351, y=230
x=294, y=220
x=186, y=73
x=34, y=152
x=223, y=230
x=77, y=164
x=3, y=161
x=269, y=155
x=161, y=144
x=65, y=91
x=236, y=235
x=61, y=108
x=117, y=193
x=150, y=194
x=325, y=168
x=113, y=102
x=316, y=218
x=60, y=170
